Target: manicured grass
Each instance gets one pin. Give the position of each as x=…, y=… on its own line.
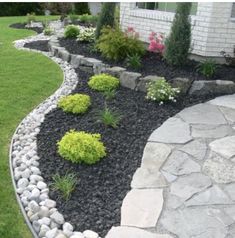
x=25, y=80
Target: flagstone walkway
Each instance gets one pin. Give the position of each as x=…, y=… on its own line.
x=185, y=186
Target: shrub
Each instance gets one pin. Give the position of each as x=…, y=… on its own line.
x=31, y=17
x=134, y=61
x=81, y=8
x=71, y=31
x=48, y=31
x=103, y=82
x=178, y=43
x=207, y=68
x=109, y=117
x=81, y=147
x=160, y=91
x=86, y=18
x=77, y=103
x=64, y=184
x=106, y=18
x=87, y=35
x=156, y=44
x=117, y=45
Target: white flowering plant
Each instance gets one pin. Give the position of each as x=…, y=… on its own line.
x=87, y=35
x=161, y=91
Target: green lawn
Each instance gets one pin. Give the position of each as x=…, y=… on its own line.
x=25, y=80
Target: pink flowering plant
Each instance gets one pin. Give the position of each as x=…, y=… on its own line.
x=156, y=43
x=131, y=33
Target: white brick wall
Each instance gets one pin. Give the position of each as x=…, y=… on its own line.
x=212, y=28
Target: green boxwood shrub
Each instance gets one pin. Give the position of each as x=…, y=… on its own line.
x=81, y=147
x=71, y=31
x=77, y=103
x=103, y=82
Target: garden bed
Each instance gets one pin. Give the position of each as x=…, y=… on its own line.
x=23, y=26
x=95, y=204
x=152, y=64
x=41, y=45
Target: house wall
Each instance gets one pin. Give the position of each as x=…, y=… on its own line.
x=213, y=29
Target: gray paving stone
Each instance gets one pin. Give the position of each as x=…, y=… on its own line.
x=148, y=178
x=210, y=131
x=196, y=223
x=229, y=114
x=230, y=211
x=155, y=155
x=180, y=163
x=132, y=232
x=142, y=208
x=203, y=114
x=230, y=190
x=196, y=148
x=185, y=187
x=225, y=101
x=224, y=146
x=212, y=196
x=173, y=130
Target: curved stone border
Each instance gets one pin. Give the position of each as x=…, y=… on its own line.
x=39, y=211
x=185, y=186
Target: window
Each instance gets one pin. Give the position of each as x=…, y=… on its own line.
x=233, y=10
x=164, y=6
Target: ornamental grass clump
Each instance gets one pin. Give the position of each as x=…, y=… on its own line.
x=71, y=31
x=161, y=91
x=77, y=103
x=207, y=68
x=103, y=82
x=79, y=146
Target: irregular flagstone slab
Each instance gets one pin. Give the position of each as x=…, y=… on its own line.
x=212, y=196
x=230, y=211
x=142, y=208
x=219, y=169
x=229, y=114
x=155, y=155
x=180, y=163
x=203, y=114
x=148, y=178
x=132, y=232
x=185, y=187
x=173, y=130
x=200, y=223
x=225, y=146
x=225, y=101
x=196, y=148
x=230, y=190
x=169, y=177
x=210, y=131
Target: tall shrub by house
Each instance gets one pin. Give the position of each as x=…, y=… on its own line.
x=178, y=42
x=81, y=8
x=106, y=18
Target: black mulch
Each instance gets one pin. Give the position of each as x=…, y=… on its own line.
x=151, y=64
x=95, y=204
x=41, y=45
x=22, y=26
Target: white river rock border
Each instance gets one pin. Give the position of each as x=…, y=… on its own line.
x=39, y=211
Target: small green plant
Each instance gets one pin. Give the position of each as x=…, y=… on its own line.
x=116, y=45
x=48, y=31
x=109, y=94
x=109, y=117
x=134, y=61
x=87, y=35
x=207, y=68
x=31, y=17
x=71, y=31
x=77, y=103
x=103, y=82
x=81, y=147
x=64, y=184
x=161, y=91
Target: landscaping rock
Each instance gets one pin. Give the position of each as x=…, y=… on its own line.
x=90, y=234
x=183, y=84
x=52, y=233
x=76, y=60
x=144, y=81
x=77, y=235
x=129, y=79
x=114, y=71
x=34, y=207
x=64, y=55
x=43, y=230
x=57, y=217
x=142, y=208
x=50, y=203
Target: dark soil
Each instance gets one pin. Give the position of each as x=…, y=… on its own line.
x=95, y=204
x=41, y=45
x=22, y=26
x=152, y=64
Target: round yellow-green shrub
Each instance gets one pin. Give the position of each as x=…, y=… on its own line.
x=77, y=103
x=103, y=82
x=79, y=146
